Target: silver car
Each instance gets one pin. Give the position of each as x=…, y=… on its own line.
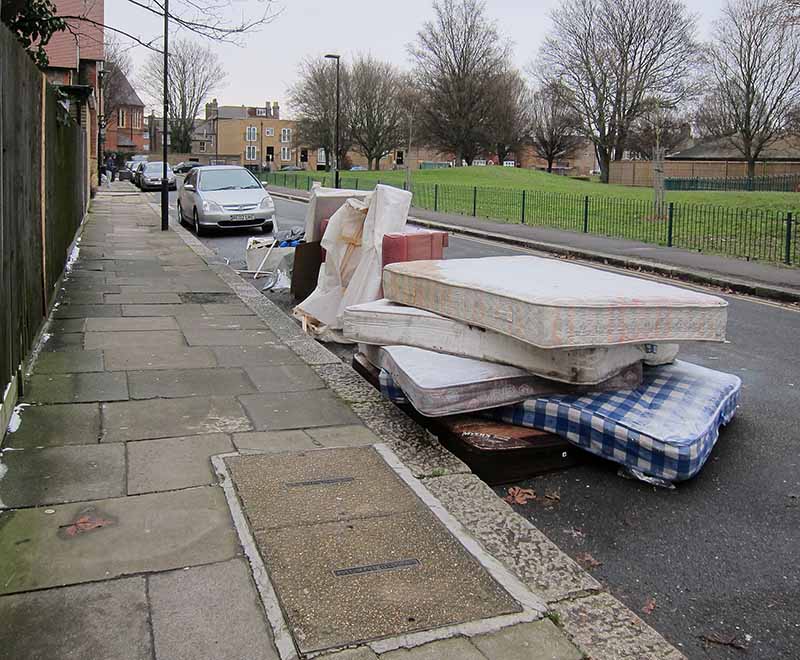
x=151, y=174
x=224, y=197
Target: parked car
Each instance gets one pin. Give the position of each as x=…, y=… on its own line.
x=137, y=172
x=224, y=197
x=125, y=173
x=184, y=167
x=291, y=168
x=358, y=168
x=151, y=174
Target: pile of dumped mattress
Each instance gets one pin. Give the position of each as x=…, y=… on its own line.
x=585, y=354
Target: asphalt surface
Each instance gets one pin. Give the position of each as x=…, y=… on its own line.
x=712, y=565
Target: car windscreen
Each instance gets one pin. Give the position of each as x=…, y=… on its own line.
x=156, y=168
x=227, y=180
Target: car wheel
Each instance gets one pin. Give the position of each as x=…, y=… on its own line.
x=198, y=229
x=180, y=212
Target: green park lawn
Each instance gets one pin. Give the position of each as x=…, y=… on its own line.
x=748, y=225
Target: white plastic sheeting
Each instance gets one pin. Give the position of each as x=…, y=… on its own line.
x=385, y=323
x=351, y=273
x=323, y=203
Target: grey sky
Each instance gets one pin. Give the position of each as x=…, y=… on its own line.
x=264, y=67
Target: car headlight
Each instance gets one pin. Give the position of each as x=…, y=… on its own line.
x=211, y=207
x=267, y=203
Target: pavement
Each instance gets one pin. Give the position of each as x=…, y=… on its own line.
x=184, y=458
x=773, y=281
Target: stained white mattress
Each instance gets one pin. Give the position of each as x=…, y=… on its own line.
x=386, y=324
x=556, y=304
x=438, y=384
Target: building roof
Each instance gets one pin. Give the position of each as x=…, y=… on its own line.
x=127, y=94
x=723, y=149
x=84, y=40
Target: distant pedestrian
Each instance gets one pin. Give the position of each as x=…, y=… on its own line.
x=111, y=167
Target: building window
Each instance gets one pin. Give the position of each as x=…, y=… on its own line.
x=252, y=133
x=202, y=147
x=121, y=117
x=321, y=157
x=286, y=135
x=269, y=132
x=286, y=152
x=251, y=153
x=261, y=112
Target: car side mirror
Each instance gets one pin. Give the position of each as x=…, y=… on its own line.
x=188, y=186
x=264, y=185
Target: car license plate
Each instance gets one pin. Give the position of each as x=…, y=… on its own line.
x=246, y=217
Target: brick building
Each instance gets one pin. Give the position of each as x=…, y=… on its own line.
x=75, y=63
x=125, y=127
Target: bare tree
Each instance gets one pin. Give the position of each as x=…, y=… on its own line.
x=116, y=71
x=458, y=56
x=612, y=55
x=194, y=73
x=754, y=67
x=219, y=20
x=657, y=127
x=313, y=99
x=377, y=118
x=510, y=123
x=555, y=131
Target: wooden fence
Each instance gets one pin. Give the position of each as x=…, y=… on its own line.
x=43, y=199
x=640, y=172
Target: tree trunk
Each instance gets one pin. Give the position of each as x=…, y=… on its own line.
x=549, y=164
x=502, y=152
x=604, y=158
x=378, y=163
x=369, y=162
x=751, y=168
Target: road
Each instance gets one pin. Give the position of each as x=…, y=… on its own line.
x=718, y=555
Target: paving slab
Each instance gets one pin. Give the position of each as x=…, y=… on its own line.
x=164, y=418
x=123, y=324
x=297, y=410
x=242, y=356
x=173, y=463
x=360, y=653
x=209, y=613
x=175, y=357
x=227, y=309
x=284, y=378
x=143, y=298
x=539, y=640
x=55, y=475
x=76, y=388
x=142, y=339
x=96, y=621
x=198, y=337
x=104, y=539
x=310, y=487
x=62, y=326
x=72, y=341
x=77, y=297
x=60, y=362
x=86, y=311
x=344, y=582
x=222, y=323
x=221, y=296
x=343, y=436
x=162, y=310
x=173, y=383
x=457, y=648
x=266, y=441
x=63, y=424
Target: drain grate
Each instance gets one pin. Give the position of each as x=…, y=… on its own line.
x=376, y=568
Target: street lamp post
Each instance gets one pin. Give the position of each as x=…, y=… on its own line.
x=331, y=56
x=165, y=131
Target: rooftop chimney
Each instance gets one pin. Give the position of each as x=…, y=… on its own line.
x=276, y=111
x=211, y=109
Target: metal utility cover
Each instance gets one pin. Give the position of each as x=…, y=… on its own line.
x=303, y=488
x=346, y=582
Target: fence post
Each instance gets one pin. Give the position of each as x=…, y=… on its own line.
x=405, y=187
x=670, y=213
x=586, y=214
x=435, y=196
x=308, y=183
x=474, y=201
x=357, y=183
x=788, y=255
x=523, y=207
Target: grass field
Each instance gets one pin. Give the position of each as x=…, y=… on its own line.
x=519, y=179
x=751, y=225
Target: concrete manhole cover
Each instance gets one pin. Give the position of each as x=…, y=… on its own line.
x=352, y=552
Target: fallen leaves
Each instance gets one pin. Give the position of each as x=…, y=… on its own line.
x=518, y=495
x=587, y=561
x=85, y=522
x=649, y=606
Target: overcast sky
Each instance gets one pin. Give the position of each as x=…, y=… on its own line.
x=265, y=65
